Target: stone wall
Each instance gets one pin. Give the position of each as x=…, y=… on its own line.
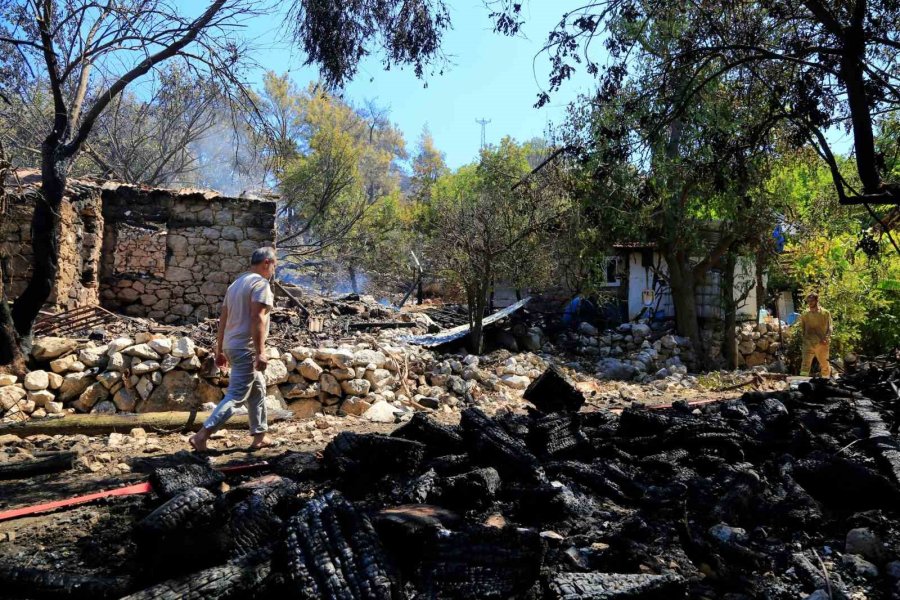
x=759, y=344
x=164, y=254
x=80, y=243
x=192, y=246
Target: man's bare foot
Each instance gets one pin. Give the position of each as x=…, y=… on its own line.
x=260, y=441
x=198, y=442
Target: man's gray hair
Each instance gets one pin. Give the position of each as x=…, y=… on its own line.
x=261, y=255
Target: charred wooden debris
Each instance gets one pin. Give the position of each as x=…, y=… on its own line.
x=771, y=495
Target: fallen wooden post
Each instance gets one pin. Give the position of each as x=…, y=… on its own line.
x=52, y=463
x=123, y=423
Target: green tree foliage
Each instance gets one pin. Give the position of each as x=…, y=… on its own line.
x=823, y=64
x=494, y=216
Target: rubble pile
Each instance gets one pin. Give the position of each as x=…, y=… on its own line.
x=783, y=495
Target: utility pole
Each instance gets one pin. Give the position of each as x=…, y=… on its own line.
x=483, y=123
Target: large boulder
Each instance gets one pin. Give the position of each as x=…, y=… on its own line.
x=48, y=348
x=613, y=368
x=176, y=392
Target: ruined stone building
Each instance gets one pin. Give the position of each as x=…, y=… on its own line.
x=164, y=254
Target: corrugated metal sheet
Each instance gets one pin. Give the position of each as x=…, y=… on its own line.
x=450, y=335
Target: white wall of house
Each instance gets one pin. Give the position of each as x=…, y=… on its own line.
x=641, y=278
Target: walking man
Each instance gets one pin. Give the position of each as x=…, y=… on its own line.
x=815, y=326
x=241, y=342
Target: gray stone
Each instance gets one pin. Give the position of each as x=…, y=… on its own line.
x=356, y=387
x=866, y=543
x=355, y=406
x=178, y=391
x=860, y=566
x=300, y=390
x=125, y=400
x=329, y=384
x=586, y=328
x=48, y=348
x=142, y=351
x=334, y=357
x=94, y=357
x=309, y=369
x=41, y=397
x=191, y=363
x=148, y=366
x=7, y=379
x=10, y=396
x=116, y=362
x=104, y=407
x=91, y=396
x=381, y=412
x=162, y=346
x=276, y=372
x=169, y=363
x=36, y=381
x=109, y=378
x=364, y=358
x=144, y=388
x=516, y=382
x=74, y=384
x=184, y=347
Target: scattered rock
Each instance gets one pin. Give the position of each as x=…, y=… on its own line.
x=381, y=412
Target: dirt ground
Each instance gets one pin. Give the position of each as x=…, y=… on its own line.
x=96, y=538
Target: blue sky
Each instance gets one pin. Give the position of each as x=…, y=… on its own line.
x=490, y=76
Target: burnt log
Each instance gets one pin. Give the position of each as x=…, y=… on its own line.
x=557, y=437
x=244, y=578
x=616, y=586
x=52, y=463
x=194, y=507
x=360, y=459
x=475, y=489
x=167, y=482
x=19, y=582
x=332, y=552
x=481, y=562
x=554, y=391
x=440, y=439
x=491, y=445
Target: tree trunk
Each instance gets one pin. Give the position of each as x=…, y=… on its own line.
x=420, y=294
x=681, y=281
x=9, y=345
x=476, y=336
x=353, y=284
x=729, y=343
x=44, y=243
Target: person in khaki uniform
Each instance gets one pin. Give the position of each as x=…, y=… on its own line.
x=815, y=325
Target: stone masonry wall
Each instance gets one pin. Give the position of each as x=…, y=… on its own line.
x=80, y=242
x=208, y=242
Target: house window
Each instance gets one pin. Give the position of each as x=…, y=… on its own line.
x=612, y=271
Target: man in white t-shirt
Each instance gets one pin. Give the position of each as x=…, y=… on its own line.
x=241, y=341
